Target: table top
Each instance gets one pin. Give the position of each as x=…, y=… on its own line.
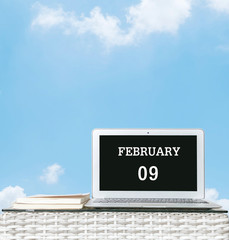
x=85, y=209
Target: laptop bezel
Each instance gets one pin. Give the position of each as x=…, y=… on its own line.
x=97, y=193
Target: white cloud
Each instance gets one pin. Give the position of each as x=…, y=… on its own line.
x=158, y=16
x=219, y=5
x=51, y=174
x=48, y=17
x=9, y=194
x=212, y=194
x=147, y=17
x=224, y=203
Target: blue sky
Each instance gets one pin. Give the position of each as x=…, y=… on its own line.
x=64, y=72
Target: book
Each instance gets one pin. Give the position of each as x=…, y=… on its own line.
x=46, y=202
x=47, y=207
x=54, y=199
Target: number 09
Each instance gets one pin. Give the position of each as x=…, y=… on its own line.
x=142, y=173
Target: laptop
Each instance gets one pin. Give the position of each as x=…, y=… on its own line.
x=148, y=168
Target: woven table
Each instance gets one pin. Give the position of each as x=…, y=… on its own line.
x=114, y=224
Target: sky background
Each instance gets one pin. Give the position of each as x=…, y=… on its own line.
x=67, y=67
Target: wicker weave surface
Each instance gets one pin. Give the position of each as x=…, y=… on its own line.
x=114, y=225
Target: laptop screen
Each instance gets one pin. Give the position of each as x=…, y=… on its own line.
x=148, y=163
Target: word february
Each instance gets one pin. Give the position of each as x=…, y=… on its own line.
x=148, y=151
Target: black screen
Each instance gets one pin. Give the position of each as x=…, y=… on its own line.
x=148, y=163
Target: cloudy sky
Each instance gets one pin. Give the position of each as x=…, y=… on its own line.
x=67, y=67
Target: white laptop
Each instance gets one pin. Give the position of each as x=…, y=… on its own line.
x=148, y=168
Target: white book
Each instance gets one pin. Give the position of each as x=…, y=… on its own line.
x=54, y=199
x=47, y=207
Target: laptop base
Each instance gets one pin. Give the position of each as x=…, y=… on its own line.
x=96, y=203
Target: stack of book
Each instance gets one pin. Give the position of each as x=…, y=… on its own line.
x=46, y=202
